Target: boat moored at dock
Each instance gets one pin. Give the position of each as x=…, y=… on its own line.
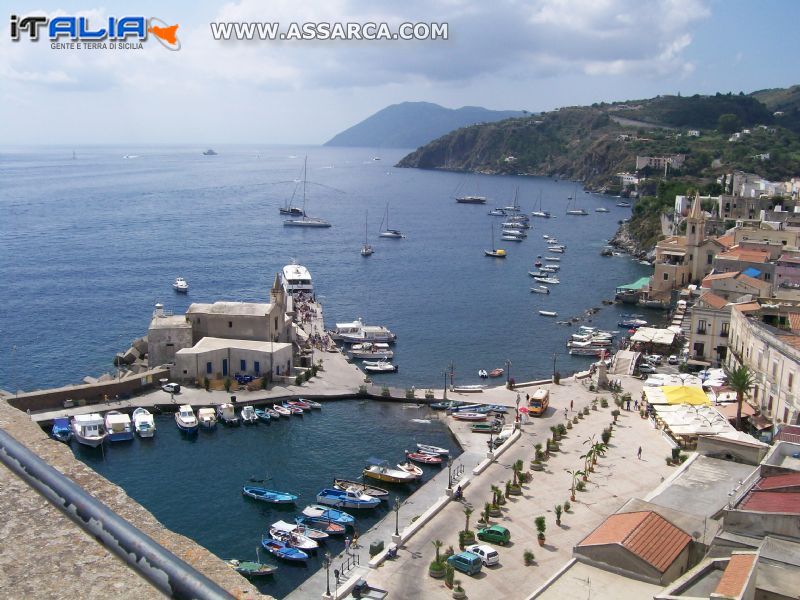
x=89, y=429
x=380, y=470
x=61, y=430
x=143, y=423
x=374, y=491
x=207, y=417
x=270, y=496
x=248, y=415
x=316, y=511
x=283, y=550
x=185, y=419
x=118, y=426
x=348, y=498
x=226, y=414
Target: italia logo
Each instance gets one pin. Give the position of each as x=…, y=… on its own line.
x=113, y=31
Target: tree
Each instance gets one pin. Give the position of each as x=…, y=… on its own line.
x=437, y=544
x=728, y=123
x=741, y=381
x=468, y=514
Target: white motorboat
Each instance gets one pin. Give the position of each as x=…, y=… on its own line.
x=556, y=249
x=411, y=469
x=498, y=212
x=601, y=209
x=548, y=313
x=540, y=289
x=514, y=232
x=380, y=366
x=207, y=417
x=227, y=414
x=468, y=389
x=380, y=470
x=378, y=350
x=249, y=415
x=185, y=419
x=144, y=423
x=550, y=268
x=308, y=532
x=511, y=238
x=550, y=280
x=293, y=539
x=553, y=258
x=118, y=426
x=624, y=204
x=361, y=333
x=89, y=430
x=434, y=450
x=514, y=225
x=180, y=285
x=304, y=220
x=394, y=234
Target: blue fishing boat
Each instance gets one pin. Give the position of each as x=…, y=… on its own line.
x=61, y=430
x=271, y=496
x=323, y=525
x=263, y=415
x=346, y=498
x=283, y=550
x=328, y=514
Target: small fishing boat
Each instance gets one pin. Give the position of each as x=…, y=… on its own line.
x=469, y=416
x=300, y=403
x=310, y=532
x=227, y=415
x=465, y=407
x=89, y=430
x=548, y=313
x=324, y=525
x=498, y=372
x=143, y=423
x=379, y=350
x=61, y=430
x=185, y=419
x=374, y=491
x=294, y=540
x=273, y=414
x=380, y=366
x=428, y=449
x=380, y=470
x=295, y=410
x=311, y=403
x=540, y=289
x=207, y=417
x=413, y=470
x=348, y=498
x=118, y=426
x=315, y=511
x=486, y=427
x=425, y=459
x=249, y=416
x=265, y=495
x=249, y=568
x=550, y=280
x=281, y=410
x=307, y=532
x=283, y=550
x=446, y=405
x=180, y=285
x=262, y=415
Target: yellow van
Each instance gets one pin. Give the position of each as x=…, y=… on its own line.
x=539, y=402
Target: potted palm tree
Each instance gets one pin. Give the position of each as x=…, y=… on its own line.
x=458, y=591
x=558, y=509
x=468, y=534
x=538, y=457
x=541, y=526
x=449, y=573
x=576, y=474
x=615, y=414
x=528, y=557
x=741, y=381
x=436, y=568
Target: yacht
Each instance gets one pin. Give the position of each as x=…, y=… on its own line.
x=209, y=152
x=389, y=233
x=601, y=209
x=207, y=417
x=471, y=200
x=372, y=351
x=366, y=249
x=296, y=278
x=366, y=334
x=180, y=285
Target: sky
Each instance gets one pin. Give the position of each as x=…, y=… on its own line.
x=505, y=54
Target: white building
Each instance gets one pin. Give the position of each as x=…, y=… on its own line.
x=217, y=358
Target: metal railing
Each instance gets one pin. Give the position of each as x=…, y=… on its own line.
x=159, y=567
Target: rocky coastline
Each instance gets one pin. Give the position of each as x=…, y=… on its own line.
x=623, y=241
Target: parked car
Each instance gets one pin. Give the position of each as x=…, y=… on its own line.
x=653, y=359
x=466, y=562
x=489, y=555
x=172, y=388
x=673, y=359
x=646, y=367
x=496, y=533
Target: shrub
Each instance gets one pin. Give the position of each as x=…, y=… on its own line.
x=227, y=384
x=307, y=375
x=410, y=394
x=449, y=574
x=429, y=395
x=314, y=370
x=581, y=486
x=449, y=552
x=529, y=557
x=541, y=526
x=264, y=382
x=567, y=506
x=558, y=510
x=562, y=430
x=591, y=387
x=669, y=460
x=676, y=452
x=606, y=436
x=683, y=458
x=615, y=414
x=298, y=380
x=362, y=390
x=457, y=586
x=604, y=402
x=206, y=383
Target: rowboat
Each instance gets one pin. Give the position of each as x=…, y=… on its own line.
x=283, y=550
x=301, y=404
x=315, y=511
x=425, y=459
x=249, y=568
x=380, y=469
x=313, y=534
x=436, y=450
x=323, y=525
x=374, y=491
x=486, y=427
x=295, y=410
x=469, y=416
x=273, y=414
x=464, y=407
x=446, y=405
x=410, y=469
x=61, y=430
x=293, y=539
x=262, y=415
x=281, y=410
x=348, y=498
x=270, y=496
x=311, y=403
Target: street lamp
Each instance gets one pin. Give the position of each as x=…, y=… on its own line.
x=508, y=370
x=444, y=393
x=396, y=516
x=449, y=472
x=555, y=354
x=327, y=574
x=516, y=403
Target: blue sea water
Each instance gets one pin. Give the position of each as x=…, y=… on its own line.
x=90, y=244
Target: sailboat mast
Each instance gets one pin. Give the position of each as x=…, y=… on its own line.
x=305, y=167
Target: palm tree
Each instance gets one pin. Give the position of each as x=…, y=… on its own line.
x=468, y=514
x=575, y=475
x=740, y=380
x=496, y=493
x=437, y=544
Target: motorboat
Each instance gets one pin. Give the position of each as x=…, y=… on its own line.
x=207, y=417
x=249, y=416
x=550, y=280
x=379, y=366
x=493, y=427
x=471, y=200
x=552, y=258
x=425, y=459
x=548, y=313
x=469, y=416
x=498, y=212
x=436, y=450
x=511, y=238
x=226, y=414
x=372, y=490
x=624, y=204
x=556, y=249
x=316, y=511
x=348, y=498
x=89, y=430
x=210, y=152
x=180, y=285
x=249, y=568
x=283, y=550
x=143, y=423
x=540, y=289
x=411, y=469
x=379, y=350
x=263, y=415
x=498, y=372
x=118, y=426
x=312, y=403
x=323, y=525
x=588, y=351
x=294, y=540
x=61, y=430
x=185, y=419
x=281, y=410
x=366, y=334
x=300, y=403
x=550, y=268
x=632, y=322
x=537, y=273
x=389, y=233
x=310, y=533
x=270, y=496
x=601, y=209
x=380, y=470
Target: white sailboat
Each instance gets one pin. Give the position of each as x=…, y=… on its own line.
x=575, y=211
x=495, y=252
x=514, y=205
x=389, y=233
x=305, y=220
x=366, y=249
x=540, y=212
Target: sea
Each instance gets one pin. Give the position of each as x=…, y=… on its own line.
x=93, y=238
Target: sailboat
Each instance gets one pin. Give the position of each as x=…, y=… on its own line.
x=366, y=249
x=389, y=233
x=543, y=214
x=495, y=252
x=305, y=220
x=515, y=205
x=467, y=198
x=288, y=208
x=575, y=211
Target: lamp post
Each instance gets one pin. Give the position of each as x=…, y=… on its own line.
x=555, y=354
x=397, y=516
x=444, y=393
x=516, y=404
x=449, y=472
x=508, y=370
x=328, y=574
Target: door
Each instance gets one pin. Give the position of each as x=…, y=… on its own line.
x=224, y=367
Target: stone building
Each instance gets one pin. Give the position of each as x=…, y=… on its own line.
x=167, y=334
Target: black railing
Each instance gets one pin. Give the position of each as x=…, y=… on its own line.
x=159, y=567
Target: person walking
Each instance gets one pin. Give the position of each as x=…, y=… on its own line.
x=565, y=413
x=347, y=542
x=570, y=405
x=639, y=453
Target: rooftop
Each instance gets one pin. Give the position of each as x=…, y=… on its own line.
x=774, y=494
x=745, y=254
x=242, y=309
x=169, y=322
x=646, y=534
x=580, y=580
x=208, y=344
x=712, y=300
x=737, y=574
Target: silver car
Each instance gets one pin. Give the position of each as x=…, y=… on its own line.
x=489, y=555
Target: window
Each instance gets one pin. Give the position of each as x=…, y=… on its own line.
x=276, y=323
x=724, y=330
x=694, y=229
x=256, y=367
x=208, y=367
x=701, y=326
x=699, y=349
x=767, y=277
x=243, y=365
x=230, y=324
x=666, y=276
x=709, y=258
x=785, y=415
x=790, y=381
x=774, y=368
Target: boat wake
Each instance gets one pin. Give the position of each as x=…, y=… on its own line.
x=420, y=420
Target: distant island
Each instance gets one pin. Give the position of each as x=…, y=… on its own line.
x=413, y=124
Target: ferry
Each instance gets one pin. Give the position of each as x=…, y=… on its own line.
x=296, y=278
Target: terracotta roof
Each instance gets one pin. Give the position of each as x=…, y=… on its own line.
x=745, y=254
x=772, y=502
x=752, y=281
x=712, y=300
x=789, y=259
x=775, y=482
x=715, y=276
x=729, y=410
x=789, y=433
x=747, y=307
x=790, y=340
x=726, y=240
x=736, y=575
x=645, y=534
x=794, y=321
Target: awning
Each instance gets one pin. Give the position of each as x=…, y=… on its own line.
x=674, y=252
x=729, y=410
x=760, y=422
x=752, y=272
x=653, y=335
x=684, y=394
x=636, y=285
x=698, y=363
